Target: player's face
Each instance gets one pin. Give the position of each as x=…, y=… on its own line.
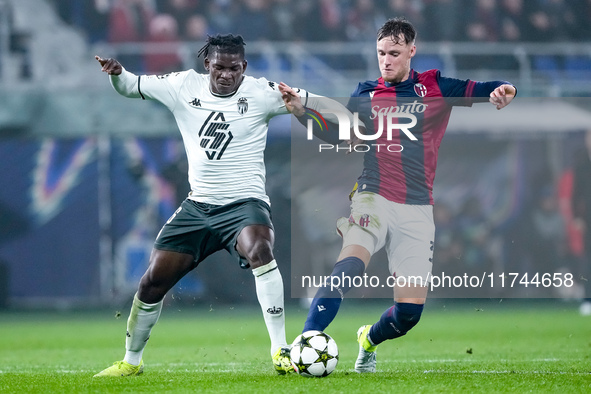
x=225, y=71
x=394, y=59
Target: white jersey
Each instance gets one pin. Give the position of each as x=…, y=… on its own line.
x=224, y=136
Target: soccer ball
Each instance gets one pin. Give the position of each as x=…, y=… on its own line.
x=314, y=354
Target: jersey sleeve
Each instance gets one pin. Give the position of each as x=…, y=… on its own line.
x=330, y=108
x=466, y=92
x=327, y=106
x=275, y=103
x=162, y=88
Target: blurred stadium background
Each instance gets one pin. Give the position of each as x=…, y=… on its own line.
x=89, y=177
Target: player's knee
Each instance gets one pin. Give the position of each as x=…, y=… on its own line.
x=153, y=287
x=259, y=253
x=150, y=291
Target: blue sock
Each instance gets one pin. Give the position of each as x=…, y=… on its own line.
x=327, y=301
x=395, y=322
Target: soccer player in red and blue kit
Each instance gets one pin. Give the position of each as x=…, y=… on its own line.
x=392, y=202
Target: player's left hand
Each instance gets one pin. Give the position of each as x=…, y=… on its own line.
x=502, y=96
x=292, y=100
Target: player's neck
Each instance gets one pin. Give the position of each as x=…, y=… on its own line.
x=398, y=81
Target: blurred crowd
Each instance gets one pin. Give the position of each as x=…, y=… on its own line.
x=328, y=20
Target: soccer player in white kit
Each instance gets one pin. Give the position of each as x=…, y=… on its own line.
x=223, y=119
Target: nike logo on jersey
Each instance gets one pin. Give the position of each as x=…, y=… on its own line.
x=321, y=308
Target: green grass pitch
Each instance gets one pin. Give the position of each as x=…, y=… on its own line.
x=459, y=346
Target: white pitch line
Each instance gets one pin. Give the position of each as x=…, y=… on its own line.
x=473, y=361
x=221, y=367
x=513, y=372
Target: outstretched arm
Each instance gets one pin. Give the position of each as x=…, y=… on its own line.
x=293, y=103
x=502, y=95
x=316, y=104
x=124, y=82
x=163, y=88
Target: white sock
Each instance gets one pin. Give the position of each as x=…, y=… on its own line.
x=139, y=325
x=269, y=287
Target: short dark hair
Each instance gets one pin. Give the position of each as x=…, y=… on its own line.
x=395, y=27
x=223, y=43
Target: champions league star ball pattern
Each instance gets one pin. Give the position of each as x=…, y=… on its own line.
x=314, y=354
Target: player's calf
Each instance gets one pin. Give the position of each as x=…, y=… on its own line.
x=327, y=301
x=395, y=322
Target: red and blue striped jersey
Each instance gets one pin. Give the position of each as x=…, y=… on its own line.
x=400, y=169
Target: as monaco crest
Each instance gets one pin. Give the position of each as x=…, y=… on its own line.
x=420, y=90
x=242, y=105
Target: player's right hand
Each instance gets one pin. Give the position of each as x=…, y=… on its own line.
x=292, y=100
x=110, y=66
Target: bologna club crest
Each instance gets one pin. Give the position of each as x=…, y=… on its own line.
x=420, y=90
x=364, y=220
x=242, y=105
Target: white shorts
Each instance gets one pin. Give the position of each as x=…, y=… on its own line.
x=407, y=232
